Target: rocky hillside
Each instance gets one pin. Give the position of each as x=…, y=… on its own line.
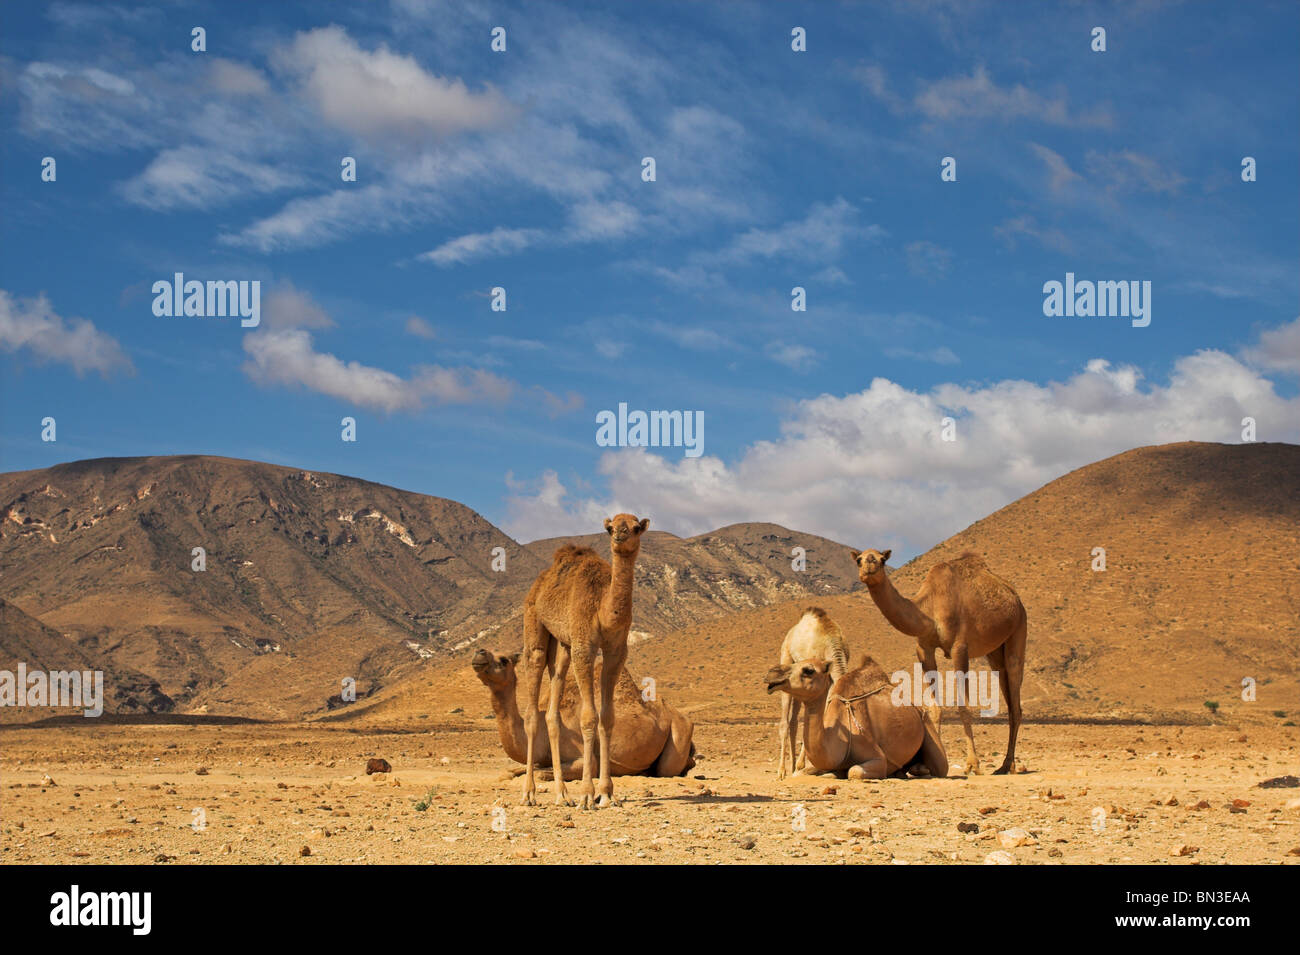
x=312, y=578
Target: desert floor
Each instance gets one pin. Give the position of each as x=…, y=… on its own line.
x=272, y=793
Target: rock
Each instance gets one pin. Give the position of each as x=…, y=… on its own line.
x=746, y=844
x=376, y=765
x=968, y=827
x=999, y=857
x=1294, y=852
x=1183, y=850
x=988, y=810
x=1055, y=853
x=1293, y=804
x=1013, y=837
x=304, y=851
x=830, y=791
x=524, y=854
x=1170, y=800
x=1203, y=804
x=1241, y=803
x=225, y=849
x=1280, y=782
x=201, y=771
x=47, y=780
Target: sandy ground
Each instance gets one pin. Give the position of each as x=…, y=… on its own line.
x=298, y=794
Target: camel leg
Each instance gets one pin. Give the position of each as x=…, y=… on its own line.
x=676, y=757
x=583, y=676
x=536, y=642
x=932, y=755
x=611, y=666
x=789, y=733
x=1010, y=676
x=872, y=769
x=559, y=671
x=961, y=663
x=928, y=665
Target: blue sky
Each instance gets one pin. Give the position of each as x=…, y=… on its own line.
x=774, y=169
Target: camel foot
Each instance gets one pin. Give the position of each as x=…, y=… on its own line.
x=530, y=799
x=562, y=798
x=604, y=800
x=1002, y=770
x=974, y=768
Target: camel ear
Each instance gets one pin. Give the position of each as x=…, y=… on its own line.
x=643, y=526
x=885, y=556
x=515, y=657
x=855, y=554
x=826, y=666
x=609, y=526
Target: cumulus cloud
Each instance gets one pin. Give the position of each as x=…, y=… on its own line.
x=31, y=326
x=286, y=306
x=870, y=468
x=382, y=93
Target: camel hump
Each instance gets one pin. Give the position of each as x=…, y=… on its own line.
x=817, y=612
x=567, y=552
x=867, y=675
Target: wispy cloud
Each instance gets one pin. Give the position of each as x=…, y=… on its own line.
x=32, y=327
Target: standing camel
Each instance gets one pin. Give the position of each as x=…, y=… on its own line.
x=967, y=611
x=583, y=606
x=815, y=638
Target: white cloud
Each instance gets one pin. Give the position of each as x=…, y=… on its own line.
x=979, y=96
x=288, y=307
x=870, y=468
x=796, y=357
x=1278, y=349
x=237, y=79
x=381, y=93
x=927, y=260
x=481, y=245
x=418, y=327
x=32, y=325
x=1060, y=173
x=818, y=236
x=198, y=177
x=288, y=357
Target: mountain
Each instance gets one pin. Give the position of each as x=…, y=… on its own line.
x=1201, y=590
x=310, y=578
x=24, y=639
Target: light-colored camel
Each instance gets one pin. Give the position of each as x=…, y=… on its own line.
x=583, y=606
x=852, y=725
x=967, y=611
x=650, y=737
x=815, y=638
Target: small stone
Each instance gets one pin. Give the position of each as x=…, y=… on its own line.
x=376, y=765
x=201, y=771
x=48, y=780
x=1183, y=850
x=968, y=827
x=304, y=851
x=524, y=854
x=1013, y=837
x=988, y=810
x=999, y=857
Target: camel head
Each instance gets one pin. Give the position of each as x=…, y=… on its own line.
x=871, y=564
x=625, y=532
x=496, y=670
x=803, y=681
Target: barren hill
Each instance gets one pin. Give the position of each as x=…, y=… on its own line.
x=26, y=640
x=1201, y=590
x=311, y=578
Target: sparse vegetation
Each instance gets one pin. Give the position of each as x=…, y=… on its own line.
x=425, y=801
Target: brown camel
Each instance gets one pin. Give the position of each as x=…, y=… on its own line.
x=650, y=737
x=815, y=638
x=852, y=725
x=967, y=611
x=584, y=606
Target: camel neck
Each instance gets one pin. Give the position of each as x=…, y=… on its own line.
x=827, y=745
x=901, y=613
x=510, y=723
x=616, y=605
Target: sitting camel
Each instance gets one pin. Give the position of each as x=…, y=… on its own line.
x=650, y=737
x=815, y=638
x=852, y=725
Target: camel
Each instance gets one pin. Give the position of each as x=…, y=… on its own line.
x=967, y=611
x=651, y=738
x=852, y=725
x=583, y=606
x=814, y=638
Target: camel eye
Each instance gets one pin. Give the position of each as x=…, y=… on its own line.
x=808, y=671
